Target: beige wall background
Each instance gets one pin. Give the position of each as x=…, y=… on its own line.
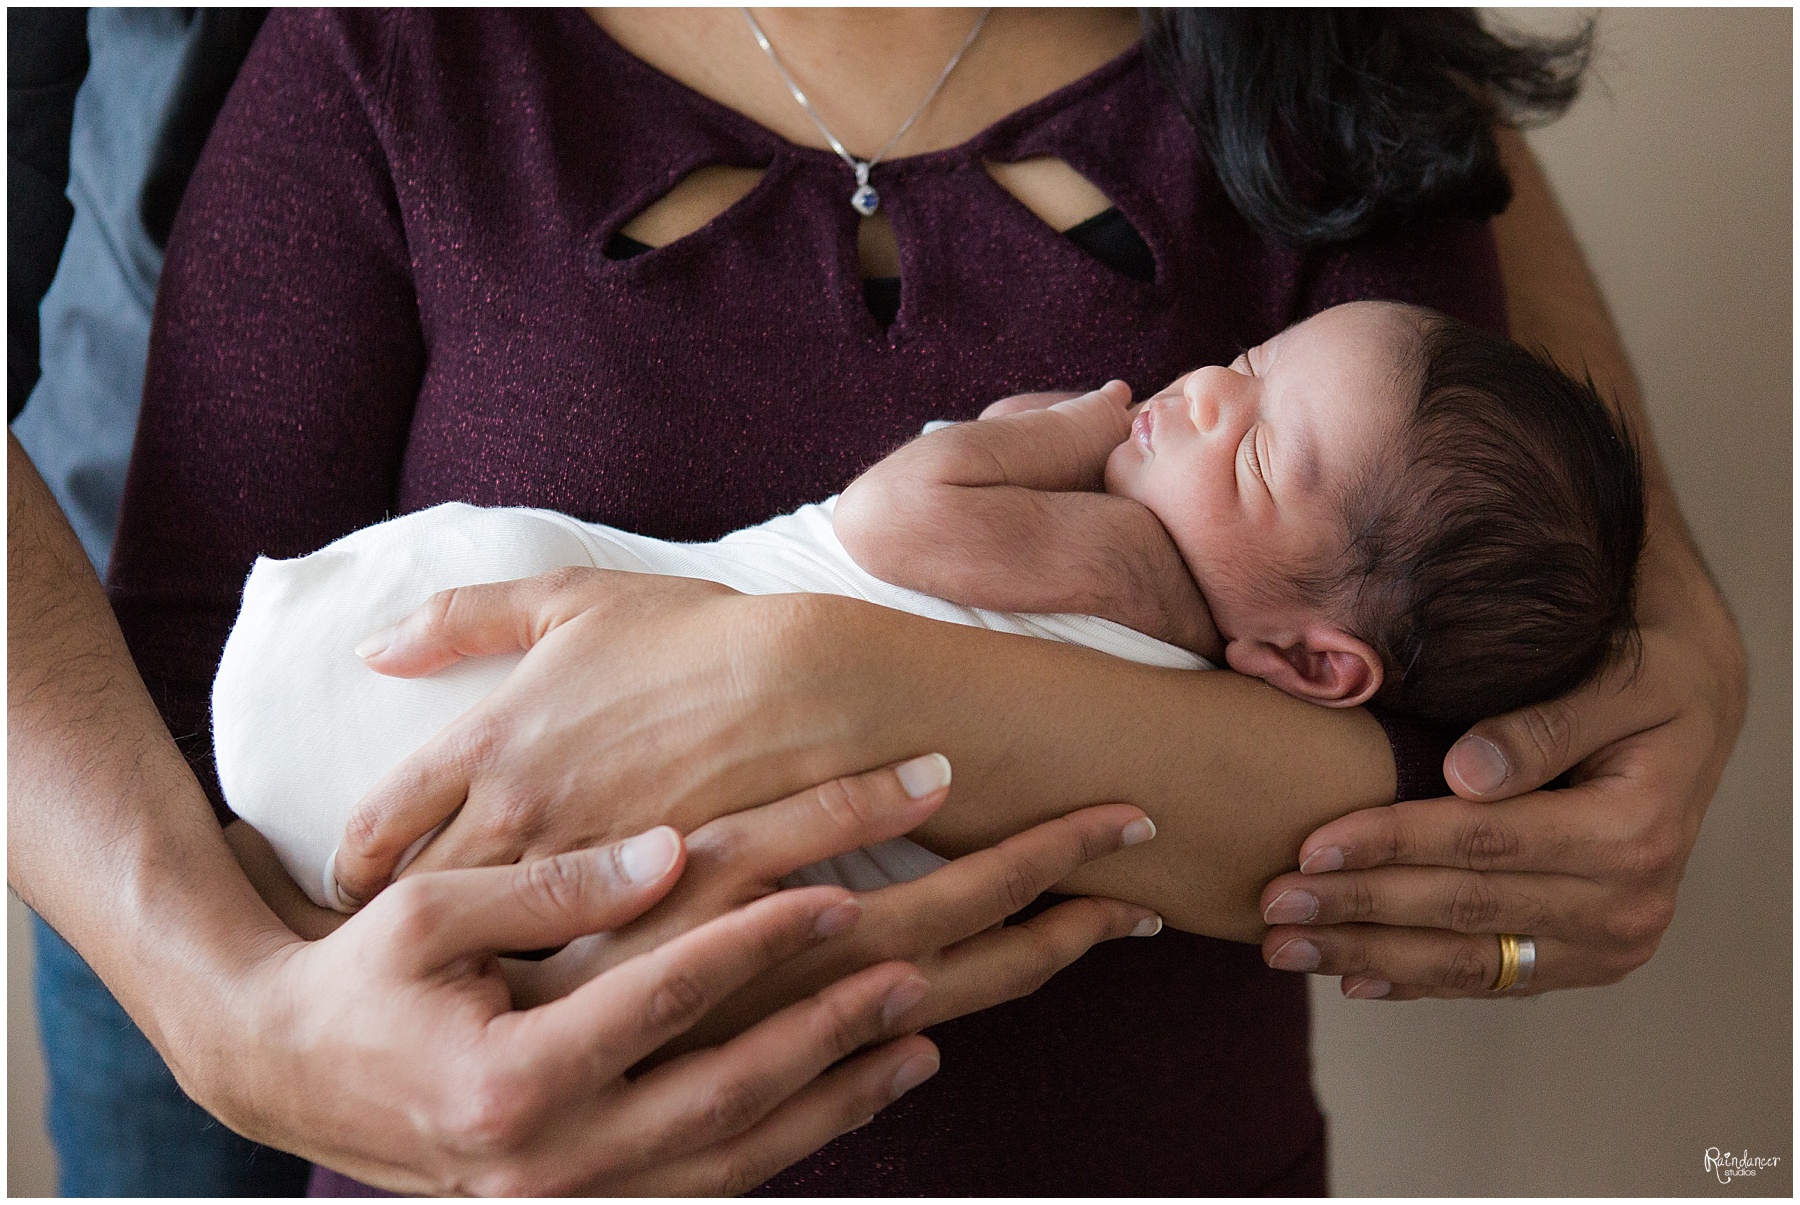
x=1676, y=169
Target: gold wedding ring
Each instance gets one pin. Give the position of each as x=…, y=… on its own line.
x=1510, y=960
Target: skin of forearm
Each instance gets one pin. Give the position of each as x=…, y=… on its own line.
x=109, y=836
x=1555, y=304
x=1234, y=773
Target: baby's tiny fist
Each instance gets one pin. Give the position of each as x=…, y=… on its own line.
x=1115, y=394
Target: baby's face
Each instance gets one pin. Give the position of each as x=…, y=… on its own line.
x=1245, y=465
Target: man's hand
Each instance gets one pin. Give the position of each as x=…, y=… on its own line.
x=1589, y=873
x=405, y=1065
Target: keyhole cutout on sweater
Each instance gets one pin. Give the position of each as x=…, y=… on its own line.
x=1060, y=196
x=1070, y=204
x=701, y=196
x=877, y=251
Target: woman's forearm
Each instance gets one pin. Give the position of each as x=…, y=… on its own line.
x=1234, y=773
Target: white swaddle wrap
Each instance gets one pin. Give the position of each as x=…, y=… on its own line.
x=302, y=729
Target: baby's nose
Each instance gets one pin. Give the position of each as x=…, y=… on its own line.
x=1209, y=394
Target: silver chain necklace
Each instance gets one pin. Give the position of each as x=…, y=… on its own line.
x=865, y=200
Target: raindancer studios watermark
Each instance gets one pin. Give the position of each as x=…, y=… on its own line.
x=1728, y=1167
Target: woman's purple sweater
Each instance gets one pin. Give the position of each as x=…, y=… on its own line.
x=386, y=289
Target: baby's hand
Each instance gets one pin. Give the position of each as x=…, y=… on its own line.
x=1105, y=413
x=1116, y=393
x=1019, y=403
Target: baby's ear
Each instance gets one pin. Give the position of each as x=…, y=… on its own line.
x=1323, y=664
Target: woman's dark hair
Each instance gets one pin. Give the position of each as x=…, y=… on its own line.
x=1328, y=123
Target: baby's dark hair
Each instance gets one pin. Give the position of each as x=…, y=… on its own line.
x=1492, y=556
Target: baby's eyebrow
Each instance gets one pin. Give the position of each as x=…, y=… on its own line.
x=1308, y=472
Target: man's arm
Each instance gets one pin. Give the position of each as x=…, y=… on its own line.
x=364, y=1050
x=384, y=1049
x=1010, y=514
x=92, y=769
x=1555, y=304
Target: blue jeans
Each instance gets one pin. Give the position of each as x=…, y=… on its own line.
x=120, y=1124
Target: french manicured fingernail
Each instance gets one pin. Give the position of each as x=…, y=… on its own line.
x=1296, y=954
x=1137, y=832
x=1368, y=989
x=900, y=998
x=1150, y=926
x=837, y=918
x=923, y=775
x=1291, y=907
x=1320, y=861
x=912, y=1073
x=1479, y=765
x=340, y=897
x=647, y=857
x=375, y=644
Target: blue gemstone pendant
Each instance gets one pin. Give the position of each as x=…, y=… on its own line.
x=865, y=200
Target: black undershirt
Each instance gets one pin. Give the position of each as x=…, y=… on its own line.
x=1106, y=236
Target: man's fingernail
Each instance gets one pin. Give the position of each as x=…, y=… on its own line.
x=1291, y=907
x=1479, y=765
x=375, y=644
x=1368, y=989
x=923, y=775
x=912, y=1073
x=1137, y=832
x=838, y=918
x=647, y=857
x=900, y=998
x=1296, y=954
x=1150, y=926
x=1321, y=860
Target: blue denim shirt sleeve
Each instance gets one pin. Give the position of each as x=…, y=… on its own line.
x=78, y=424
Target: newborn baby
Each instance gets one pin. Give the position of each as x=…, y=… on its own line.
x=1377, y=503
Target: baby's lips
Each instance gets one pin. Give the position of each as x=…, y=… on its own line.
x=1142, y=424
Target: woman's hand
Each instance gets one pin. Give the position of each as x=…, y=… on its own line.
x=1589, y=873
x=649, y=695
x=946, y=923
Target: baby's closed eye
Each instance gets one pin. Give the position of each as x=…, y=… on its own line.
x=1253, y=453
